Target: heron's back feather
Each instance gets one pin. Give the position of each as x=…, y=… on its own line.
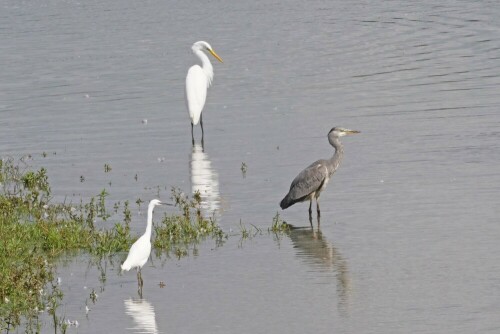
x=310, y=180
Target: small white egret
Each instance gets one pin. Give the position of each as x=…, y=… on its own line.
x=198, y=79
x=139, y=253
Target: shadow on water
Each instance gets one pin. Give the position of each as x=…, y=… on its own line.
x=204, y=179
x=143, y=314
x=313, y=248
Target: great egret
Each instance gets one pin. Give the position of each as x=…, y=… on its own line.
x=198, y=79
x=312, y=180
x=141, y=249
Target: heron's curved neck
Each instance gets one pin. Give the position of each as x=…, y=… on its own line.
x=337, y=156
x=206, y=65
x=150, y=222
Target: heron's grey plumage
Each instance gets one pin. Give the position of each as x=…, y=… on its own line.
x=308, y=181
x=312, y=180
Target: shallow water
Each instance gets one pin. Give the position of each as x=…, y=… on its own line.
x=409, y=230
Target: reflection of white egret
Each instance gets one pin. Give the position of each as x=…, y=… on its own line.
x=198, y=80
x=204, y=179
x=140, y=250
x=143, y=314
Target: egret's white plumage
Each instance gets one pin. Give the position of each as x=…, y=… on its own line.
x=139, y=253
x=198, y=79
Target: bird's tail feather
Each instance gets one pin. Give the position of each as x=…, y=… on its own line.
x=285, y=202
x=124, y=267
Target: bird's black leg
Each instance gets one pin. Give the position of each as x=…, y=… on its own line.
x=201, y=123
x=310, y=210
x=318, y=210
x=140, y=282
x=139, y=277
x=192, y=136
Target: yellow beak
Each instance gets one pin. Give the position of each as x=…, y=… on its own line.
x=215, y=55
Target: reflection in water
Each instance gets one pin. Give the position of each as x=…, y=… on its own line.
x=143, y=314
x=204, y=179
x=316, y=251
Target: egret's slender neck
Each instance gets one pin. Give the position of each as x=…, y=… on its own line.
x=206, y=65
x=337, y=156
x=150, y=222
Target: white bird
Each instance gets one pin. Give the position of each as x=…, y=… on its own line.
x=198, y=79
x=139, y=253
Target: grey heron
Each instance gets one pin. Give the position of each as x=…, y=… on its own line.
x=309, y=184
x=198, y=79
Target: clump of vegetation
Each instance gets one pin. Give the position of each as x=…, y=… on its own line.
x=175, y=233
x=244, y=169
x=278, y=225
x=35, y=232
x=278, y=228
x=248, y=233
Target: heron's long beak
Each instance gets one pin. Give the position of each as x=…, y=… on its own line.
x=215, y=55
x=351, y=132
x=169, y=204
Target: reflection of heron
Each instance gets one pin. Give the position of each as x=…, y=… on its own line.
x=204, y=179
x=143, y=314
x=198, y=80
x=316, y=251
x=312, y=180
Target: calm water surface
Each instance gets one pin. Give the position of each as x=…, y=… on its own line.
x=410, y=222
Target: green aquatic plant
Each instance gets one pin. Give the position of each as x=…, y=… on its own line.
x=278, y=225
x=248, y=233
x=102, y=213
x=176, y=232
x=244, y=168
x=139, y=201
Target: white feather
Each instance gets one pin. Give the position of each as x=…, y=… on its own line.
x=196, y=92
